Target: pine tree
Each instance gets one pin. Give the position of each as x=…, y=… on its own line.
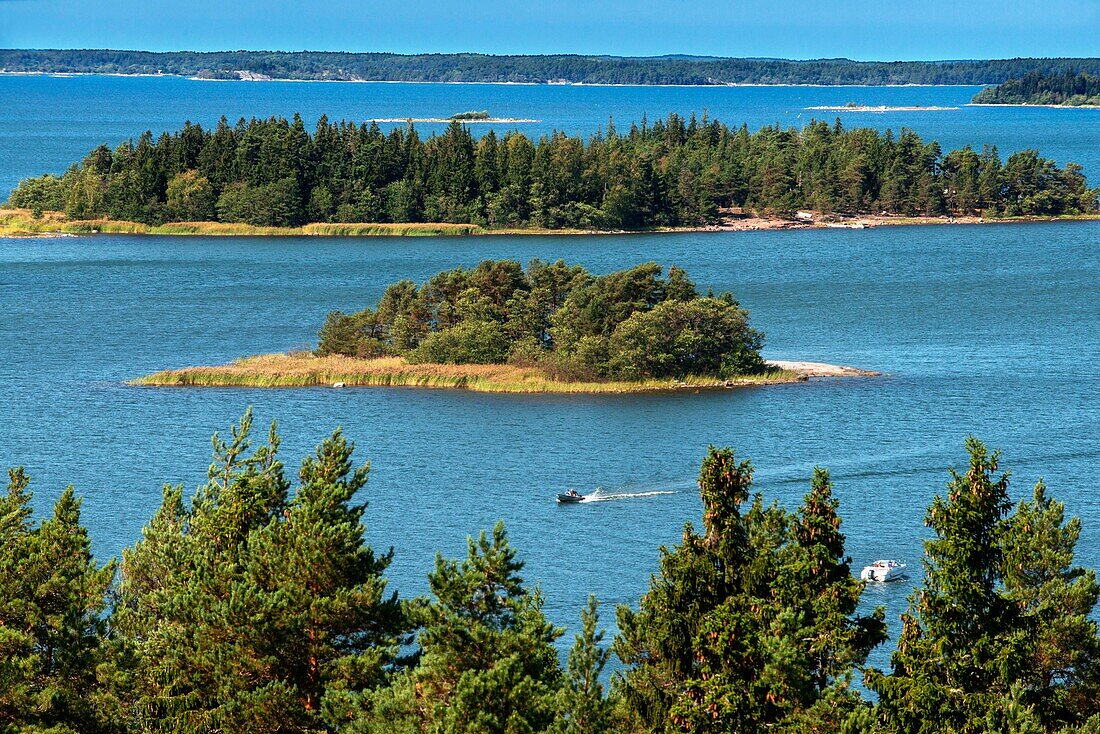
x=244, y=611
x=583, y=708
x=331, y=624
x=52, y=599
x=1055, y=648
x=487, y=661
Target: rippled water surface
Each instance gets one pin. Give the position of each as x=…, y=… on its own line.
x=990, y=330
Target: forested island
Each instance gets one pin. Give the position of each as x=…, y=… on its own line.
x=1068, y=89
x=528, y=69
x=677, y=172
x=255, y=607
x=551, y=327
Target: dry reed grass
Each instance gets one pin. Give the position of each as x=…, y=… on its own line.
x=303, y=370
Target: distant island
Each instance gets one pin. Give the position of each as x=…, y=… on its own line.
x=855, y=107
x=274, y=177
x=526, y=69
x=1051, y=90
x=464, y=117
x=551, y=327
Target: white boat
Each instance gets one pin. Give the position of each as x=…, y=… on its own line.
x=883, y=571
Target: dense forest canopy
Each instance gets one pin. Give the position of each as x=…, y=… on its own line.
x=1035, y=87
x=675, y=172
x=470, y=67
x=631, y=324
x=259, y=606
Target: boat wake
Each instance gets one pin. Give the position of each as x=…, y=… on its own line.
x=600, y=496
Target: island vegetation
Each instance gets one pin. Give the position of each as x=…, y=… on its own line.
x=1036, y=88
x=259, y=606
x=463, y=116
x=551, y=327
x=530, y=69
x=677, y=172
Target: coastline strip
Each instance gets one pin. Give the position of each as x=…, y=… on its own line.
x=880, y=108
x=21, y=223
x=464, y=121
x=307, y=370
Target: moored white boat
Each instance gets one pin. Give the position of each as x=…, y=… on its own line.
x=883, y=571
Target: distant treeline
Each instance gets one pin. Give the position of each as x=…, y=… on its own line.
x=632, y=324
x=1035, y=87
x=471, y=67
x=675, y=172
x=259, y=606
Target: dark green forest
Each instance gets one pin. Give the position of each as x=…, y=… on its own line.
x=1069, y=88
x=632, y=324
x=257, y=604
x=674, y=172
x=470, y=67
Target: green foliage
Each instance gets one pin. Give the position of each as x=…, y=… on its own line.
x=583, y=707
x=259, y=609
x=676, y=172
x=632, y=324
x=701, y=336
x=276, y=204
x=45, y=193
x=52, y=600
x=751, y=624
x=1036, y=87
x=254, y=610
x=487, y=660
x=189, y=197
x=468, y=342
x=999, y=637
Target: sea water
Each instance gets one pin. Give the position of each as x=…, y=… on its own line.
x=990, y=330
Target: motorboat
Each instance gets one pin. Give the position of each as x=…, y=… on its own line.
x=570, y=497
x=883, y=571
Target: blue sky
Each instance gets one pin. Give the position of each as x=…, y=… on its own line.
x=860, y=29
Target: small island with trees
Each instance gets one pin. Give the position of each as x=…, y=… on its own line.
x=273, y=177
x=551, y=327
x=1044, y=90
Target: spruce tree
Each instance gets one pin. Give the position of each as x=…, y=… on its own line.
x=998, y=637
x=945, y=669
x=828, y=640
x=751, y=625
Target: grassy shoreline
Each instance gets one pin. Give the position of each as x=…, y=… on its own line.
x=307, y=370
x=21, y=223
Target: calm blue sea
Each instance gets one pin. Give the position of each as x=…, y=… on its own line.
x=48, y=122
x=990, y=330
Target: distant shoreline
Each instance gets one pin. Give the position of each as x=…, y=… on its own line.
x=189, y=77
x=335, y=371
x=21, y=223
x=880, y=108
x=1029, y=104
x=463, y=120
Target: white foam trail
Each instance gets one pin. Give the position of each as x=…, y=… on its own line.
x=599, y=496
